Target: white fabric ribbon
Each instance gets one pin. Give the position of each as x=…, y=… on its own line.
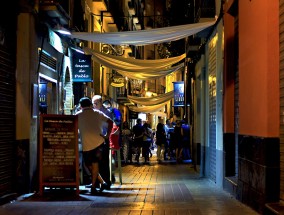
x=144, y=37
x=148, y=109
x=150, y=101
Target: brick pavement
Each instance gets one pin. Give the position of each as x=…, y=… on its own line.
x=167, y=188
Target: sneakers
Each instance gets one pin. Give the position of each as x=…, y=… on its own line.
x=88, y=186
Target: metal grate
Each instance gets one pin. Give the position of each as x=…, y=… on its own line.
x=48, y=61
x=212, y=108
x=7, y=121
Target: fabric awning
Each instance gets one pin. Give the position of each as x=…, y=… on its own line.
x=161, y=114
x=150, y=74
x=149, y=101
x=148, y=109
x=144, y=37
x=137, y=68
x=132, y=65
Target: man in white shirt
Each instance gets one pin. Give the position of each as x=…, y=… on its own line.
x=91, y=124
x=104, y=163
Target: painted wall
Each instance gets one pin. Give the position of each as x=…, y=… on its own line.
x=229, y=72
x=259, y=67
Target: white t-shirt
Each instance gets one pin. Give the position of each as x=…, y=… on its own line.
x=90, y=125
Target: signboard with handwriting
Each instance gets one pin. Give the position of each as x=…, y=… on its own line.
x=81, y=67
x=59, y=159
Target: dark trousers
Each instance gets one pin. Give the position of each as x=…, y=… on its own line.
x=130, y=151
x=145, y=150
x=104, y=164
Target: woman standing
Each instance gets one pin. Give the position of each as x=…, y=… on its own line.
x=126, y=141
x=147, y=140
x=160, y=141
x=178, y=138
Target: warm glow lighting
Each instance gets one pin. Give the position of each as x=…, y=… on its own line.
x=135, y=20
x=142, y=116
x=214, y=41
x=150, y=94
x=117, y=84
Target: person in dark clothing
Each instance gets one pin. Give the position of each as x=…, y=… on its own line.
x=147, y=140
x=178, y=135
x=186, y=141
x=126, y=134
x=169, y=147
x=160, y=141
x=138, y=132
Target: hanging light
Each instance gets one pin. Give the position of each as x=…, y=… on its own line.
x=117, y=81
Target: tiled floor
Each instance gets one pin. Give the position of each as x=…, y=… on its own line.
x=167, y=188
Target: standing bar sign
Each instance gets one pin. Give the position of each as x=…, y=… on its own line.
x=59, y=159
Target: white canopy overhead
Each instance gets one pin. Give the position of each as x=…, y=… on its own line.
x=137, y=68
x=149, y=101
x=161, y=114
x=145, y=75
x=148, y=109
x=144, y=37
x=133, y=65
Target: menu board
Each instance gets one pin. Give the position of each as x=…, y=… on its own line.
x=59, y=161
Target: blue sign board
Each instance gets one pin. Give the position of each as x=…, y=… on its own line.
x=43, y=93
x=178, y=94
x=81, y=67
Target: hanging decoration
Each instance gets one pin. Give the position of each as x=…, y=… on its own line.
x=148, y=109
x=137, y=68
x=150, y=101
x=151, y=74
x=132, y=65
x=144, y=37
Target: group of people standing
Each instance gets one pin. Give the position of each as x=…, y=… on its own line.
x=177, y=144
x=172, y=141
x=101, y=129
x=137, y=140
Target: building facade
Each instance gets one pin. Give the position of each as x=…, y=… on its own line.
x=238, y=103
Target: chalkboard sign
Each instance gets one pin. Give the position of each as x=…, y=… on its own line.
x=59, y=159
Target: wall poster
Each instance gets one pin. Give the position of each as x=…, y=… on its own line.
x=178, y=94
